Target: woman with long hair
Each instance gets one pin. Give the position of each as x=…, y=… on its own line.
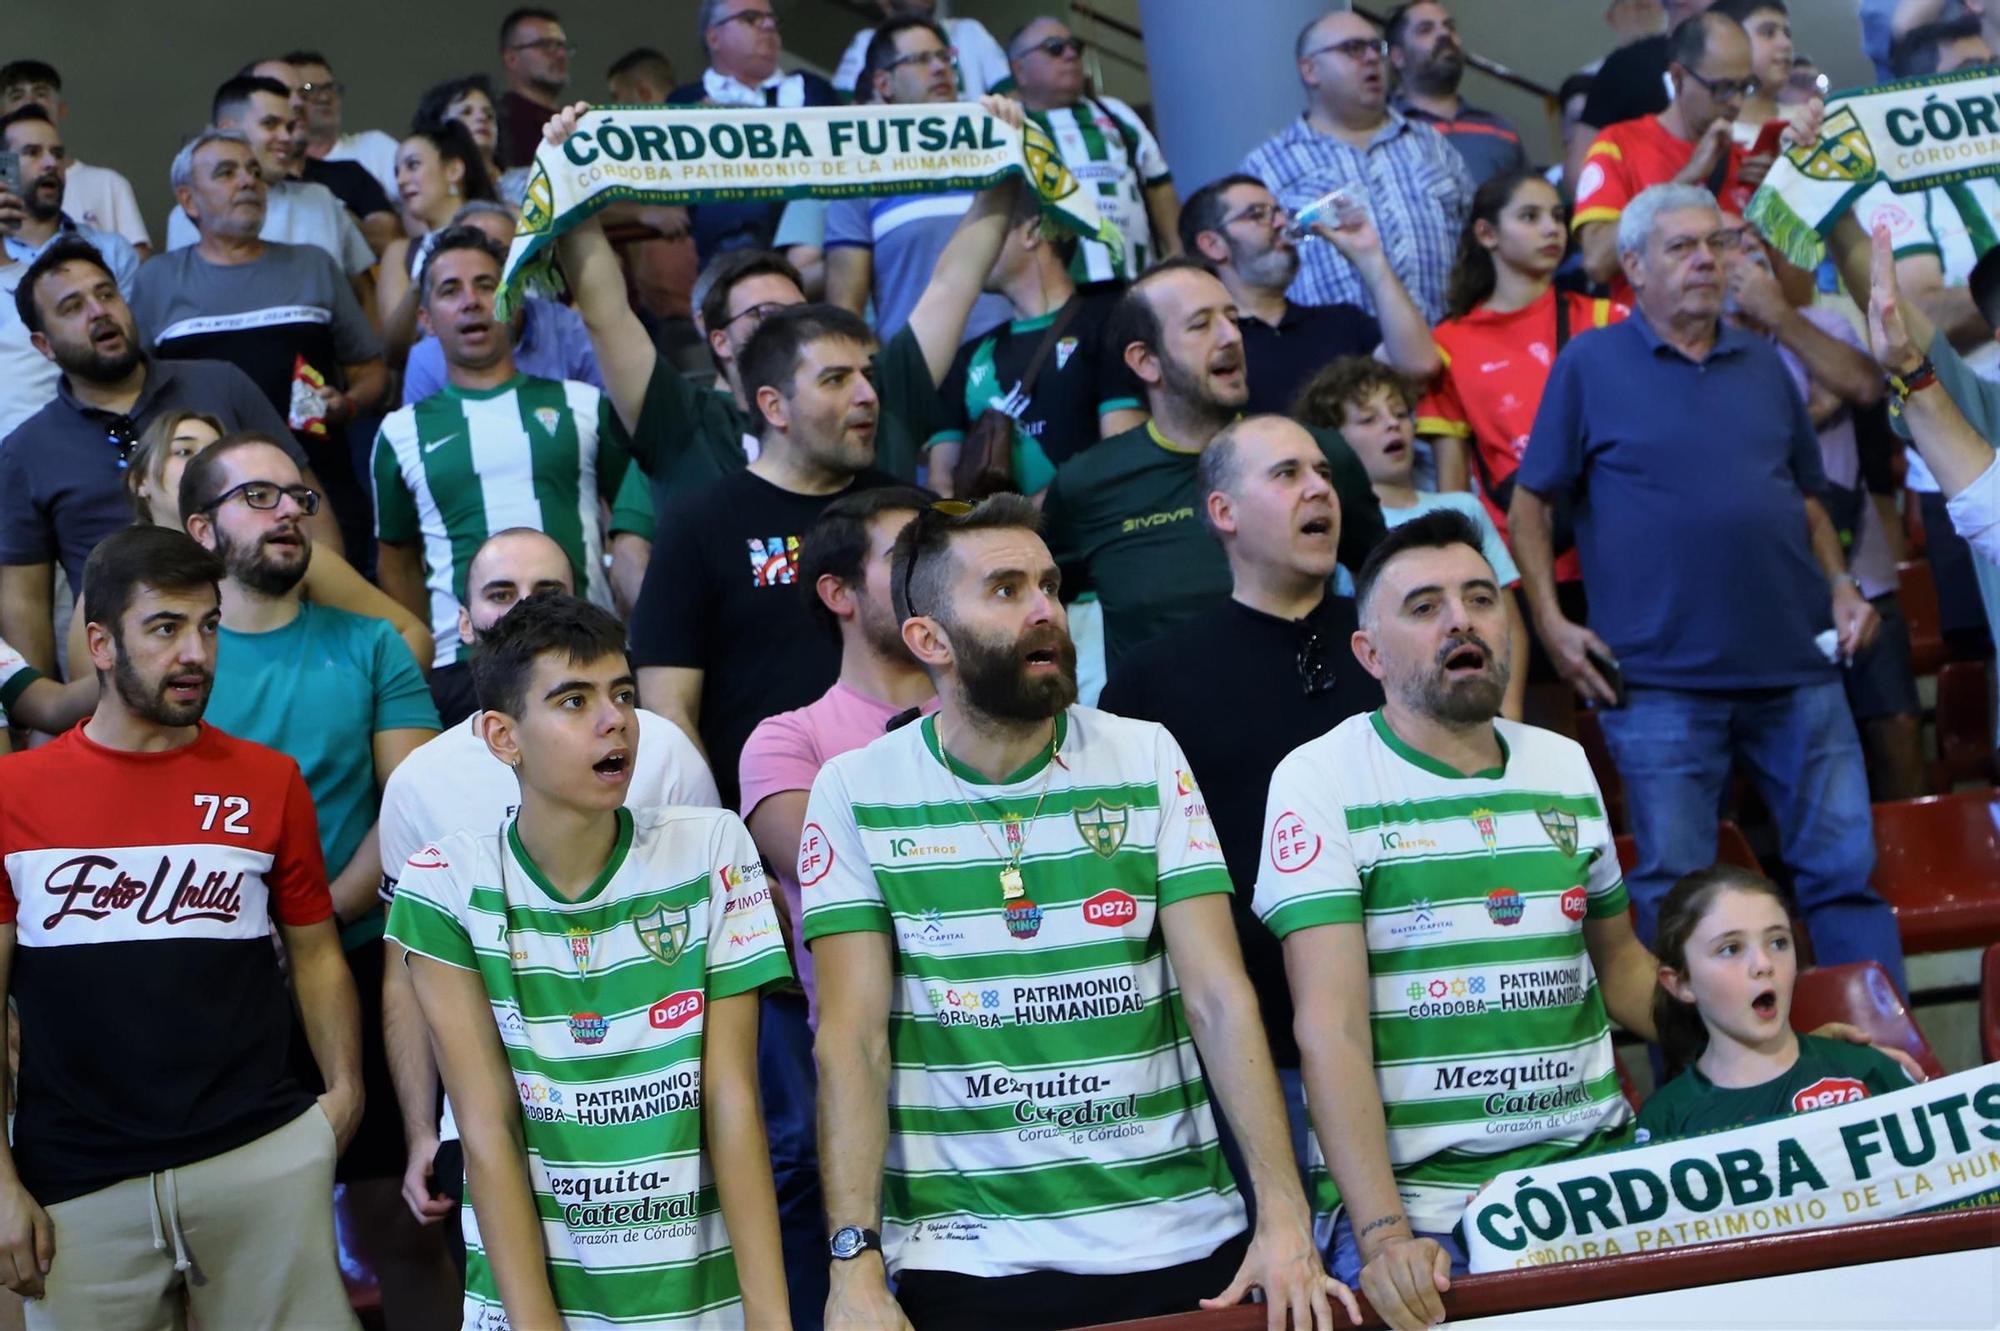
x=468, y=101
x=439, y=167
x=1506, y=322
x=153, y=483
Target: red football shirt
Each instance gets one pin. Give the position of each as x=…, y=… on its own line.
x=1630, y=157
x=1496, y=364
x=155, y=1025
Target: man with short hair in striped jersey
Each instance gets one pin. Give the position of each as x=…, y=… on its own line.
x=1454, y=925
x=493, y=449
x=1020, y=924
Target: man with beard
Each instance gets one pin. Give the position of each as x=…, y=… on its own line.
x=1245, y=234
x=1725, y=623
x=62, y=470
x=1448, y=896
x=283, y=313
x=455, y=784
x=1017, y=899
x=29, y=224
x=1416, y=188
x=493, y=449
x=340, y=695
x=1123, y=517
x=844, y=580
x=883, y=248
x=194, y=1082
x=1267, y=495
x=720, y=645
x=1429, y=62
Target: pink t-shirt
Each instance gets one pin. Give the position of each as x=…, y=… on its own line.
x=785, y=752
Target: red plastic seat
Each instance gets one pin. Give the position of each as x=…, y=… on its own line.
x=1989, y=1005
x=1916, y=591
x=1860, y=994
x=1731, y=847
x=1937, y=862
x=1964, y=725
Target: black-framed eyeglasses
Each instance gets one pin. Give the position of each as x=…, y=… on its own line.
x=1315, y=670
x=941, y=508
x=948, y=56
x=1257, y=214
x=320, y=92
x=547, y=46
x=118, y=430
x=1723, y=90
x=1055, y=48
x=760, y=312
x=267, y=495
x=759, y=19
x=1354, y=48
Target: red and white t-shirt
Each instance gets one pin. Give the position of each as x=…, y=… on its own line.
x=1496, y=364
x=1629, y=158
x=155, y=1025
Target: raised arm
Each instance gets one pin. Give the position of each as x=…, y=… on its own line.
x=938, y=321
x=1406, y=335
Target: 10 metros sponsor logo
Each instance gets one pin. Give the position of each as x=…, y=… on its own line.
x=627, y=1204
x=1083, y=1106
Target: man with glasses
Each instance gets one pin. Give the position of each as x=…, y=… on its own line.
x=1105, y=146
x=534, y=53
x=1413, y=183
x=326, y=140
x=1266, y=492
x=338, y=694
x=744, y=45
x=886, y=247
x=1429, y=61
x=982, y=64
x=62, y=470
x=1689, y=143
x=1729, y=622
x=1244, y=233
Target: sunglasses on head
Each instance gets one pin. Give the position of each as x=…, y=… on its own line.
x=942, y=508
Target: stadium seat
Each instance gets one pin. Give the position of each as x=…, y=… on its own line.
x=1591, y=736
x=1937, y=862
x=1731, y=847
x=1989, y=1005
x=1964, y=725
x=1916, y=590
x=1861, y=994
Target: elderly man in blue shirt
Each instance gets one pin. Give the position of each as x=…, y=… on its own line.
x=1718, y=588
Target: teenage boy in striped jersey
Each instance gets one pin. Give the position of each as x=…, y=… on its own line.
x=493, y=449
x=1005, y=900
x=590, y=975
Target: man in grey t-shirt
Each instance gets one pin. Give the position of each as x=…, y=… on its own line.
x=888, y=246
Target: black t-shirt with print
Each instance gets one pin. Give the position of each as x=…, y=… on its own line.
x=721, y=596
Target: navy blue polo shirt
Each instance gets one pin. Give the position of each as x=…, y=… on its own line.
x=1689, y=482
x=1281, y=360
x=62, y=481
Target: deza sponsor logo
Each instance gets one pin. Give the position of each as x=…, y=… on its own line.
x=675, y=1010
x=1111, y=908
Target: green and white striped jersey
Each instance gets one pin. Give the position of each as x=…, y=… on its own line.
x=463, y=464
x=1046, y=1109
x=1113, y=155
x=601, y=1004
x=1492, y=1047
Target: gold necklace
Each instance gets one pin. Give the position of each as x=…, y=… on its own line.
x=1011, y=886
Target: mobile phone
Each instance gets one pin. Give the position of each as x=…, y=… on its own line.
x=10, y=173
x=1612, y=674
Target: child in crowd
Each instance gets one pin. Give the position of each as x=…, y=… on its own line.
x=615, y=1153
x=1374, y=408
x=1723, y=1010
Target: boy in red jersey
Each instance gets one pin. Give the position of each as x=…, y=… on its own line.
x=144, y=857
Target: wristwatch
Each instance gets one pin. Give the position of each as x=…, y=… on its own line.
x=851, y=1241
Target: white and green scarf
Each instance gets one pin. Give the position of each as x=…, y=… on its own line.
x=659, y=155
x=1913, y=134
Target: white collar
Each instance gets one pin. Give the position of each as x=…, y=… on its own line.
x=726, y=90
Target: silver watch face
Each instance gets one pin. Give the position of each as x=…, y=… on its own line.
x=847, y=1242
